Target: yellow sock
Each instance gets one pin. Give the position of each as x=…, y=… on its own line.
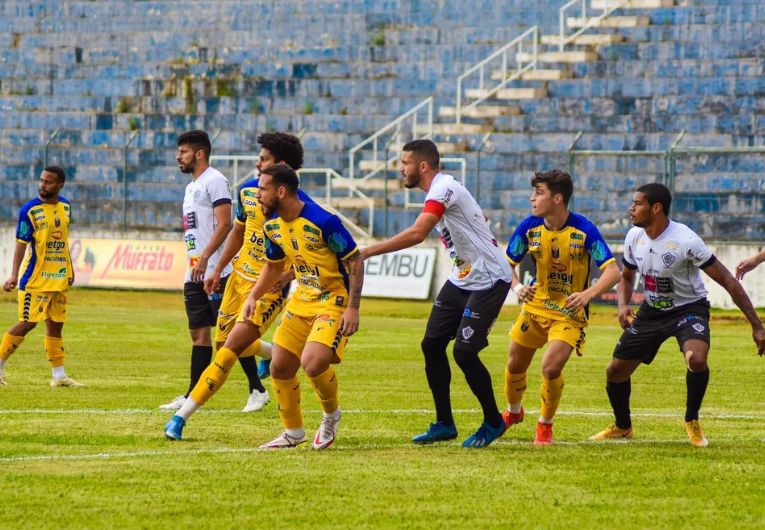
x=9, y=345
x=54, y=349
x=515, y=386
x=251, y=350
x=551, y=390
x=214, y=376
x=288, y=396
x=325, y=385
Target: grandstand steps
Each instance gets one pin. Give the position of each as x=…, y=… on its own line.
x=536, y=74
x=454, y=128
x=633, y=4
x=586, y=39
x=480, y=111
x=356, y=203
x=370, y=184
x=574, y=56
x=627, y=21
x=508, y=93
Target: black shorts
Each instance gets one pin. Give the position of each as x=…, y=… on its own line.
x=652, y=327
x=201, y=309
x=466, y=315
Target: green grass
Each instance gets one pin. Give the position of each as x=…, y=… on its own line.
x=95, y=457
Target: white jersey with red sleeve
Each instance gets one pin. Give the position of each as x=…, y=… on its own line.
x=478, y=261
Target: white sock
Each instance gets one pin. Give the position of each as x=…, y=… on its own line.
x=545, y=420
x=295, y=433
x=2, y=365
x=515, y=409
x=188, y=408
x=264, y=351
x=58, y=372
x=334, y=415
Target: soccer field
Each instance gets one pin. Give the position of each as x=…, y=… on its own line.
x=96, y=457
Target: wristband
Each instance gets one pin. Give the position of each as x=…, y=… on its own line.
x=517, y=289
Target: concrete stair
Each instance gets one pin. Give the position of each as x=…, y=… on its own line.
x=610, y=22
x=481, y=111
x=537, y=74
x=575, y=56
x=509, y=93
x=586, y=39
x=635, y=4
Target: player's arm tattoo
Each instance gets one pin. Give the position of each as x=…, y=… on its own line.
x=355, y=267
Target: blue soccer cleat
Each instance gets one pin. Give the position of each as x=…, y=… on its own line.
x=437, y=432
x=174, y=428
x=484, y=435
x=264, y=368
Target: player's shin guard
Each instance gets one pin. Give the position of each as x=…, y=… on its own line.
x=515, y=386
x=325, y=385
x=9, y=345
x=551, y=390
x=214, y=376
x=54, y=350
x=288, y=396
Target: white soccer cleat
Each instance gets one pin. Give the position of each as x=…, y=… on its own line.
x=327, y=432
x=3, y=382
x=284, y=441
x=174, y=405
x=256, y=401
x=65, y=381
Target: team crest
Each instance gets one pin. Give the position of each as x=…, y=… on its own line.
x=467, y=332
x=668, y=259
x=555, y=253
x=698, y=328
x=524, y=327
x=295, y=244
x=57, y=222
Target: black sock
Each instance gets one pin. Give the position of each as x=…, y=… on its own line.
x=619, y=396
x=250, y=367
x=696, y=385
x=479, y=381
x=201, y=356
x=439, y=377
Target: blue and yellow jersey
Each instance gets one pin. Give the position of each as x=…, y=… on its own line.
x=47, y=265
x=316, y=243
x=252, y=256
x=562, y=262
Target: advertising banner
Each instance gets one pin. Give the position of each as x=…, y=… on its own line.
x=404, y=274
x=128, y=263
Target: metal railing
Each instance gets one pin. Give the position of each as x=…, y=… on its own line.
x=506, y=76
x=407, y=122
x=610, y=7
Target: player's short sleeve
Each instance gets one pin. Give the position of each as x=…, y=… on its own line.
x=24, y=228
x=597, y=247
x=698, y=253
x=241, y=217
x=440, y=196
x=219, y=190
x=628, y=256
x=518, y=244
x=337, y=237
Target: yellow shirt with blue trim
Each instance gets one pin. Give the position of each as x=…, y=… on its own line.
x=252, y=256
x=47, y=265
x=562, y=262
x=316, y=243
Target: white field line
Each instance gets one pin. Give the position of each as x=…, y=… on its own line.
x=600, y=414
x=362, y=447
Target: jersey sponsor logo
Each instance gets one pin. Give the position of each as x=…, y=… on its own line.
x=448, y=197
x=661, y=302
x=339, y=301
x=560, y=309
x=577, y=236
x=57, y=235
x=558, y=267
x=190, y=221
x=668, y=259
x=191, y=242
x=55, y=259
x=36, y=211
x=61, y=274
x=42, y=225
x=534, y=233
x=55, y=245
x=311, y=230
x=337, y=243
x=249, y=202
x=255, y=239
x=248, y=193
x=561, y=277
x=39, y=217
x=303, y=268
x=658, y=284
x=446, y=238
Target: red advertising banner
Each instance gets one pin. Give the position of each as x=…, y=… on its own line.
x=128, y=263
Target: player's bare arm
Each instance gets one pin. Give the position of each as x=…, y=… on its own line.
x=18, y=257
x=608, y=278
x=268, y=276
x=349, y=322
x=414, y=235
x=523, y=292
x=231, y=247
x=749, y=264
x=624, y=296
x=223, y=226
x=285, y=278
x=719, y=273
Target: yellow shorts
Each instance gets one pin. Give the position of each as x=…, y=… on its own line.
x=266, y=311
x=294, y=331
x=39, y=306
x=534, y=331
x=237, y=290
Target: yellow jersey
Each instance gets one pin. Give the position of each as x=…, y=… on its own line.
x=316, y=243
x=47, y=265
x=562, y=262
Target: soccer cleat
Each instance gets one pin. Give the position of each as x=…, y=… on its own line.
x=327, y=432
x=264, y=368
x=611, y=433
x=511, y=418
x=437, y=432
x=174, y=405
x=284, y=441
x=3, y=382
x=174, y=428
x=64, y=382
x=544, y=434
x=256, y=401
x=485, y=435
x=695, y=434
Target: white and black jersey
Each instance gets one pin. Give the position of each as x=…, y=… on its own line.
x=668, y=265
x=479, y=263
x=203, y=194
